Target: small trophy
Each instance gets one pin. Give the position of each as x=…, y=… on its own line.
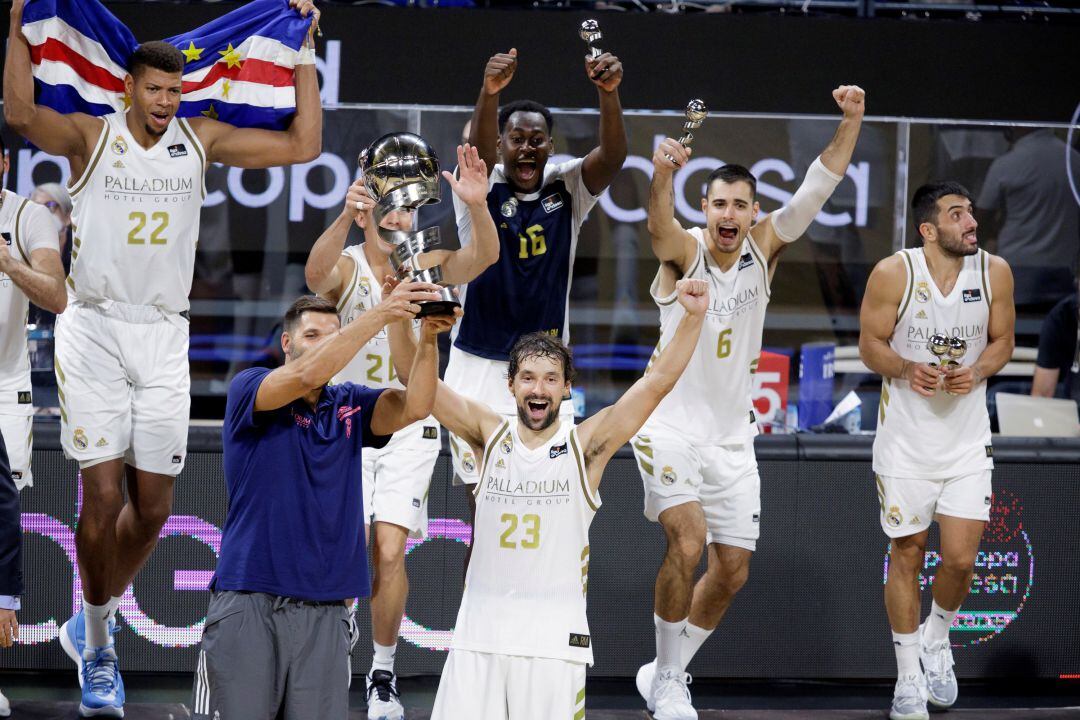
x=401, y=171
x=957, y=350
x=938, y=345
x=590, y=33
x=696, y=112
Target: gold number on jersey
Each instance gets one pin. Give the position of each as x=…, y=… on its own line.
x=535, y=241
x=723, y=344
x=139, y=218
x=373, y=373
x=531, y=526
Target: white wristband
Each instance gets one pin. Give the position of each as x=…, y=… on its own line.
x=306, y=56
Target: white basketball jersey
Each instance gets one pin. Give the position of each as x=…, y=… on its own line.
x=135, y=218
x=710, y=404
x=25, y=227
x=529, y=570
x=945, y=435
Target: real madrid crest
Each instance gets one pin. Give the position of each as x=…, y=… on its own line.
x=119, y=145
x=922, y=292
x=894, y=518
x=80, y=439
x=509, y=208
x=364, y=288
x=467, y=462
x=668, y=475
x=507, y=445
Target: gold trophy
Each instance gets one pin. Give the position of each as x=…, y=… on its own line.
x=590, y=33
x=696, y=112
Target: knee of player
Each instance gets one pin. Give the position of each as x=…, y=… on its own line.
x=906, y=560
x=152, y=516
x=731, y=582
x=101, y=503
x=958, y=563
x=389, y=558
x=686, y=545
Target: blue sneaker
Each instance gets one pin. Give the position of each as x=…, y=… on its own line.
x=73, y=639
x=102, y=686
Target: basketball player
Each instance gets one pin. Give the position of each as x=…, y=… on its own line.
x=701, y=477
x=932, y=454
x=396, y=477
x=539, y=209
x=30, y=272
x=121, y=346
x=521, y=642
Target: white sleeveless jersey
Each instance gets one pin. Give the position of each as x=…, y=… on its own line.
x=710, y=404
x=25, y=227
x=945, y=435
x=529, y=570
x=135, y=218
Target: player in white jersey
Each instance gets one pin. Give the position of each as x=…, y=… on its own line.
x=696, y=452
x=932, y=453
x=122, y=344
x=30, y=272
x=396, y=477
x=521, y=642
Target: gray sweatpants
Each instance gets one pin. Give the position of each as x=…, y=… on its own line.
x=264, y=657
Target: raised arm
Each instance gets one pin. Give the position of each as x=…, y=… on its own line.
x=671, y=243
x=396, y=409
x=604, y=161
x=961, y=379
x=71, y=135
x=608, y=430
x=461, y=266
x=258, y=148
x=789, y=222
x=484, y=128
x=317, y=366
x=877, y=321
x=327, y=271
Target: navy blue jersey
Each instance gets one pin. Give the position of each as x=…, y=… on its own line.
x=528, y=289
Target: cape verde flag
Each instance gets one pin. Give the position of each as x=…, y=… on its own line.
x=238, y=68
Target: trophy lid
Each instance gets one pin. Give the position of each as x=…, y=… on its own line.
x=957, y=348
x=590, y=30
x=401, y=170
x=938, y=344
x=696, y=111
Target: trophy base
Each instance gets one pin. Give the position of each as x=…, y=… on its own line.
x=437, y=307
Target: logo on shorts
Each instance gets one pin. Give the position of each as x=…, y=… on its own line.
x=922, y=292
x=119, y=145
x=986, y=500
x=745, y=261
x=507, y=445
x=509, y=208
x=551, y=203
x=102, y=442
x=24, y=397
x=668, y=476
x=556, y=451
x=578, y=640
x=176, y=459
x=973, y=295
x=431, y=432
x=416, y=502
x=757, y=517
x=16, y=475
x=179, y=150
x=989, y=451
x=467, y=463
x=894, y=518
x=80, y=439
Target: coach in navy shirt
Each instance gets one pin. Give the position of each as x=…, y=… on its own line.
x=276, y=641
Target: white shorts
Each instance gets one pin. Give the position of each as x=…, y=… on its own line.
x=722, y=478
x=18, y=434
x=397, y=477
x=484, y=380
x=485, y=686
x=908, y=505
x=124, y=387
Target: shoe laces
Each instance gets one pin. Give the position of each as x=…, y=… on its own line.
x=382, y=684
x=673, y=683
x=942, y=660
x=101, y=672
x=910, y=687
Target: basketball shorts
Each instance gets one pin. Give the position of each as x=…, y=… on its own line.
x=908, y=505
x=124, y=387
x=486, y=381
x=486, y=686
x=397, y=477
x=18, y=434
x=722, y=478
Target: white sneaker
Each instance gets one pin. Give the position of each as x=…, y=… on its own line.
x=645, y=675
x=909, y=699
x=937, y=662
x=383, y=701
x=5, y=706
x=671, y=696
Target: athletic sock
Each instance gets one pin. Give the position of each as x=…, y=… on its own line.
x=97, y=624
x=906, y=646
x=693, y=637
x=668, y=643
x=383, y=658
x=937, y=624
x=113, y=605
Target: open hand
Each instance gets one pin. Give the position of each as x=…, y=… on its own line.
x=472, y=187
x=401, y=303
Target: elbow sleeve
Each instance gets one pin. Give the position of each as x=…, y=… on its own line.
x=791, y=221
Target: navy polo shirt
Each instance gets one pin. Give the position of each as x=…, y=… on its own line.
x=295, y=524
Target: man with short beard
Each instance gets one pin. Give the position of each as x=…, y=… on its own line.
x=137, y=189
x=696, y=452
x=932, y=453
x=538, y=209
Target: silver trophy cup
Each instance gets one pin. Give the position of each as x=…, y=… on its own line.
x=401, y=171
x=590, y=33
x=938, y=345
x=696, y=112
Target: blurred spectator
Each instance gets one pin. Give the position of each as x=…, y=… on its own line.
x=55, y=197
x=1058, y=361
x=1027, y=191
